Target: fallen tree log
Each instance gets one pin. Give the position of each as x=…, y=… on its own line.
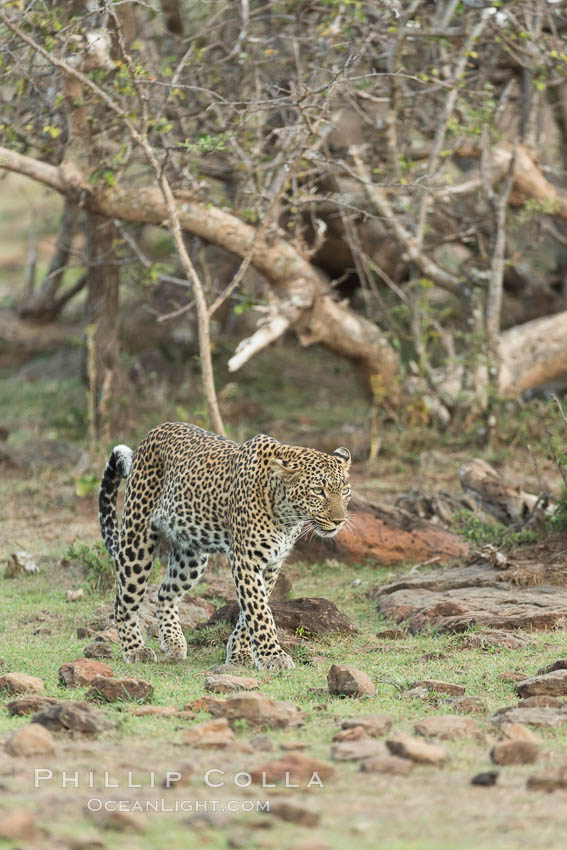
x=383, y=534
x=493, y=494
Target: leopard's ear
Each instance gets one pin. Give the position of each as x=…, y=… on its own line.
x=343, y=455
x=282, y=467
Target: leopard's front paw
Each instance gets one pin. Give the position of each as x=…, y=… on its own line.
x=142, y=653
x=276, y=661
x=239, y=659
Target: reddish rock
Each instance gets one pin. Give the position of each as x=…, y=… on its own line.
x=416, y=750
x=517, y=731
x=448, y=728
x=293, y=746
x=18, y=825
x=29, y=705
x=359, y=750
x=227, y=684
x=21, y=683
x=440, y=687
x=294, y=813
x=549, y=780
x=468, y=705
x=293, y=768
x=74, y=717
x=32, y=740
x=155, y=711
x=213, y=734
x=353, y=733
x=387, y=764
x=542, y=717
x=511, y=676
x=347, y=681
x=313, y=616
x=392, y=634
x=560, y=664
x=488, y=638
x=543, y=701
x=550, y=684
x=375, y=725
x=515, y=751
x=98, y=649
x=258, y=710
x=82, y=671
x=110, y=689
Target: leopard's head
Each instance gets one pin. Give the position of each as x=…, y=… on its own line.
x=316, y=484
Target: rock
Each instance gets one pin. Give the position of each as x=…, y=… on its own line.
x=75, y=717
x=387, y=764
x=212, y=734
x=294, y=768
x=119, y=821
x=468, y=705
x=560, y=664
x=82, y=671
x=453, y=599
x=440, y=687
x=155, y=711
x=18, y=825
x=347, y=681
x=416, y=750
x=542, y=717
x=313, y=616
x=32, y=740
x=83, y=632
x=511, y=676
x=258, y=710
x=486, y=779
x=543, y=701
x=75, y=595
x=517, y=731
x=448, y=728
x=21, y=683
x=550, y=684
x=180, y=778
x=488, y=638
x=110, y=689
x=98, y=649
x=226, y=684
x=262, y=742
x=549, y=780
x=386, y=535
x=354, y=733
x=375, y=725
x=192, y=611
x=293, y=746
x=294, y=813
x=392, y=634
x=29, y=705
x=514, y=752
x=364, y=748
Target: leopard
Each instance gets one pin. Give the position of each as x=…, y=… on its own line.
x=197, y=493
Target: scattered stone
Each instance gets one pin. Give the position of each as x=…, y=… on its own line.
x=21, y=563
x=294, y=768
x=560, y=664
x=258, y=710
x=468, y=705
x=110, y=689
x=517, y=732
x=439, y=687
x=375, y=725
x=416, y=693
x=542, y=717
x=392, y=634
x=448, y=728
x=549, y=780
x=262, y=742
x=359, y=750
x=293, y=746
x=155, y=711
x=98, y=649
x=313, y=616
x=82, y=671
x=488, y=638
x=21, y=683
x=227, y=684
x=212, y=734
x=553, y=684
x=387, y=764
x=543, y=701
x=354, y=733
x=18, y=826
x=347, y=681
x=202, y=704
x=29, y=705
x=486, y=779
x=178, y=778
x=416, y=750
x=293, y=813
x=75, y=595
x=515, y=751
x=119, y=821
x=75, y=717
x=511, y=676
x=32, y=740
x=83, y=632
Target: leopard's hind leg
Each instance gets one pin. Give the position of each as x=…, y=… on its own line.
x=184, y=569
x=134, y=561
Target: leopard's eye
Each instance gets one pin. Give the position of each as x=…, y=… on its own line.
x=317, y=491
x=346, y=491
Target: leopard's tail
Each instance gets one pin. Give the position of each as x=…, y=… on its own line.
x=117, y=468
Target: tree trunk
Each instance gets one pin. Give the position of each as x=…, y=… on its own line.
x=101, y=317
